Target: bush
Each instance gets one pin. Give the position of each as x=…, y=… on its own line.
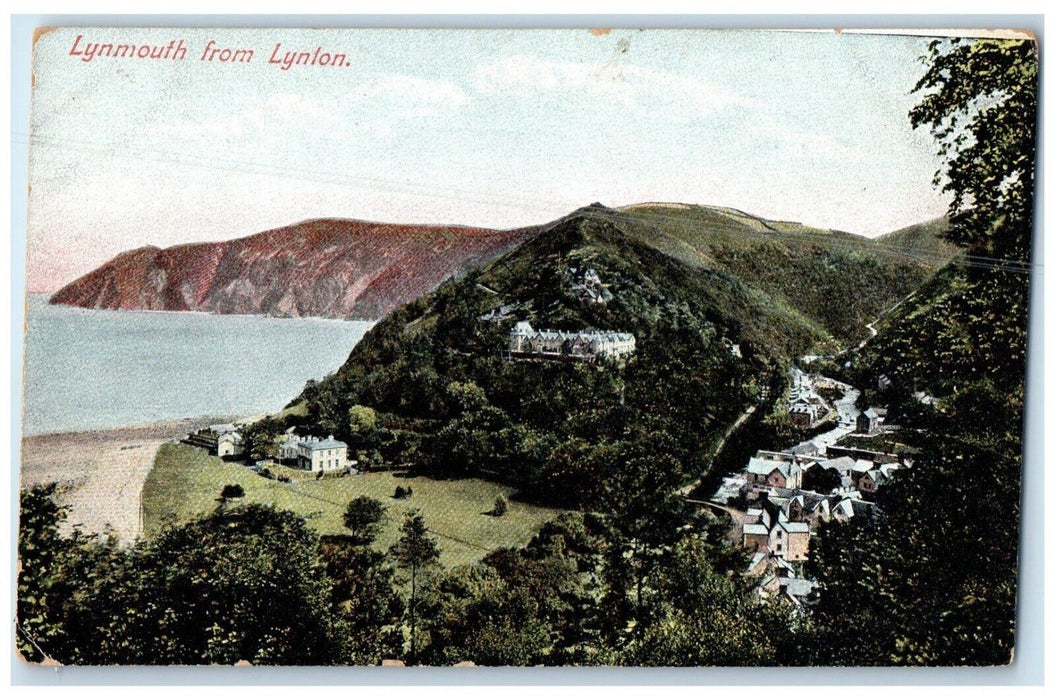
x=501, y=506
x=232, y=491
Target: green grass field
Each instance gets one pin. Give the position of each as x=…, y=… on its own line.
x=185, y=483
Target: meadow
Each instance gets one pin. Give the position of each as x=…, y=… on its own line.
x=185, y=483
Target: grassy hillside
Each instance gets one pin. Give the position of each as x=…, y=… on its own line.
x=922, y=241
x=835, y=281
x=185, y=483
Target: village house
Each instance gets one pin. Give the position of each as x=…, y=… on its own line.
x=230, y=445
x=868, y=422
x=870, y=481
x=768, y=529
x=577, y=346
x=499, y=314
x=806, y=407
x=287, y=451
x=774, y=472
x=588, y=287
x=222, y=440
x=804, y=415
x=322, y=456
x=782, y=470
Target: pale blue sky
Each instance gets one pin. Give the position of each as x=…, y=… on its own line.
x=491, y=128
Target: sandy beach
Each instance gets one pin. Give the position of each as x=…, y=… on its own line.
x=100, y=473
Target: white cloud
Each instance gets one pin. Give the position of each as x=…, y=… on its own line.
x=683, y=98
x=408, y=96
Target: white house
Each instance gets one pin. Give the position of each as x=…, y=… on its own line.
x=230, y=445
x=325, y=456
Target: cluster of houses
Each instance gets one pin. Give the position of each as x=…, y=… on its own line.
x=786, y=495
x=322, y=456
x=568, y=346
x=587, y=286
x=222, y=440
x=778, y=577
x=852, y=470
x=806, y=408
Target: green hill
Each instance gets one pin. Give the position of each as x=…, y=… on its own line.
x=923, y=241
x=718, y=301
x=836, y=281
x=452, y=404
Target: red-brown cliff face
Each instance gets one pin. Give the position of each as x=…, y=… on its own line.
x=332, y=268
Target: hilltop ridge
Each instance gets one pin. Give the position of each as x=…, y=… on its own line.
x=342, y=268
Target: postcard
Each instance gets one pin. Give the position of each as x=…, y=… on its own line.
x=564, y=347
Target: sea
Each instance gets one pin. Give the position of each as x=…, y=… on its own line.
x=88, y=369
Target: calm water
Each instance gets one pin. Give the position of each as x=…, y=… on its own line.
x=88, y=369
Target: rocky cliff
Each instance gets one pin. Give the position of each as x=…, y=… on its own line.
x=333, y=268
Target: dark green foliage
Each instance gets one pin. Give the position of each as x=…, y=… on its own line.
x=821, y=480
x=500, y=507
x=362, y=428
x=230, y=491
x=365, y=598
x=52, y=569
x=260, y=438
x=246, y=583
x=701, y=617
x=980, y=102
x=965, y=325
x=363, y=517
x=933, y=582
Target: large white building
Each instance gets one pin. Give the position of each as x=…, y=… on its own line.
x=582, y=346
x=322, y=455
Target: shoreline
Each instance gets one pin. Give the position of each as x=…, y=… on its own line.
x=100, y=473
x=45, y=298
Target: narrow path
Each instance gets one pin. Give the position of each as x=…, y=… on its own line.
x=686, y=490
x=871, y=327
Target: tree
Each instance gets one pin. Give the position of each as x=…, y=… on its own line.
x=46, y=559
x=980, y=102
x=415, y=551
x=646, y=514
x=364, y=593
x=232, y=491
x=500, y=507
x=363, y=518
x=245, y=583
x=703, y=617
x=821, y=480
x=362, y=427
x=260, y=438
x=932, y=582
